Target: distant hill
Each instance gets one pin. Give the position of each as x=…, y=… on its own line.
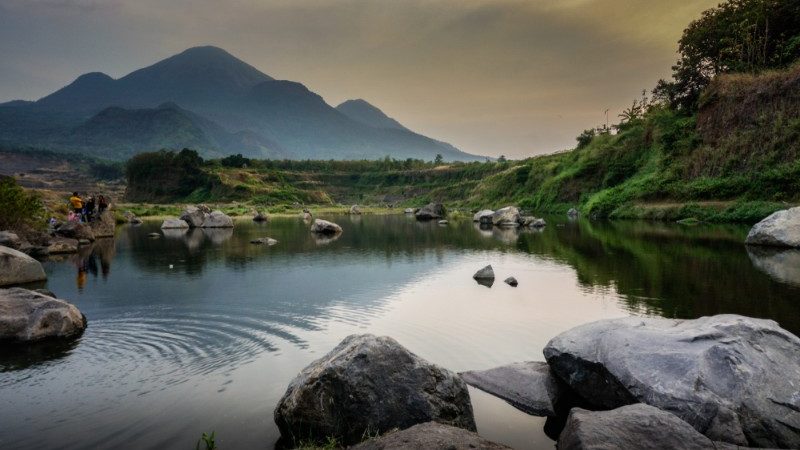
x=217, y=104
x=362, y=111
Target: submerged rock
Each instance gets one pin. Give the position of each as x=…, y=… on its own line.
x=511, y=281
x=507, y=217
x=528, y=386
x=325, y=227
x=264, y=240
x=27, y=315
x=733, y=378
x=483, y=216
x=430, y=436
x=193, y=216
x=217, y=219
x=370, y=384
x=431, y=211
x=639, y=426
x=174, y=224
x=780, y=229
x=17, y=267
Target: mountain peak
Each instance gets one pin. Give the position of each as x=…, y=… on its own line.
x=363, y=111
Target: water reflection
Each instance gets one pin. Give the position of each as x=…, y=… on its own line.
x=781, y=264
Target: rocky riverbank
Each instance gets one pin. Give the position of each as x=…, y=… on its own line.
x=647, y=383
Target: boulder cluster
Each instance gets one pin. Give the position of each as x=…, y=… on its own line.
x=508, y=217
x=199, y=216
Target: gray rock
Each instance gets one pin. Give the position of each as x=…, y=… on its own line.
x=780, y=229
x=483, y=216
x=355, y=210
x=782, y=264
x=431, y=211
x=217, y=219
x=264, y=240
x=733, y=378
x=572, y=212
x=46, y=292
x=511, y=281
x=61, y=245
x=538, y=223
x=75, y=230
x=507, y=217
x=527, y=386
x=430, y=436
x=104, y=225
x=370, y=384
x=409, y=211
x=171, y=224
x=305, y=215
x=154, y=235
x=639, y=426
x=10, y=240
x=325, y=227
x=485, y=273
x=27, y=315
x=442, y=222
x=260, y=217
x=17, y=267
x=193, y=216
x=135, y=220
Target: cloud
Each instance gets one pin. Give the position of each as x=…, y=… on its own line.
x=500, y=76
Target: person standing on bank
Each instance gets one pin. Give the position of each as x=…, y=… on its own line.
x=77, y=204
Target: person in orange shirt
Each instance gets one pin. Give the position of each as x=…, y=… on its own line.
x=77, y=203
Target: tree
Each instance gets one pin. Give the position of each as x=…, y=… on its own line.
x=439, y=159
x=735, y=36
x=585, y=137
x=502, y=159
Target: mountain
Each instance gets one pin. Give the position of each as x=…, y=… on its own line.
x=218, y=104
x=362, y=111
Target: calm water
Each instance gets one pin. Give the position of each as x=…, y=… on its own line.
x=201, y=330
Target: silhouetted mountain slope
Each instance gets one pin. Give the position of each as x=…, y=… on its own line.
x=366, y=113
x=226, y=106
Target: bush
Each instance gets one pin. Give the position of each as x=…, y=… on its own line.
x=22, y=210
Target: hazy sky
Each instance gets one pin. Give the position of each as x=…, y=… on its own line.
x=489, y=76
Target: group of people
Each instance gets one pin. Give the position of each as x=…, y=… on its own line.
x=88, y=210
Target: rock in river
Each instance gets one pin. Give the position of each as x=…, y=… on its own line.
x=27, y=315
x=528, y=386
x=639, y=426
x=430, y=436
x=325, y=227
x=733, y=378
x=61, y=245
x=217, y=219
x=17, y=267
x=193, y=216
x=355, y=210
x=431, y=211
x=511, y=281
x=483, y=216
x=11, y=240
x=173, y=224
x=260, y=217
x=370, y=384
x=780, y=229
x=264, y=240
x=507, y=217
x=103, y=225
x=75, y=230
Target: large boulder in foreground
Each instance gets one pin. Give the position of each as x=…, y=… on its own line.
x=507, y=217
x=528, y=386
x=193, y=216
x=431, y=211
x=75, y=230
x=639, y=426
x=780, y=229
x=320, y=226
x=217, y=219
x=733, y=378
x=17, y=268
x=430, y=436
x=367, y=385
x=171, y=224
x=27, y=315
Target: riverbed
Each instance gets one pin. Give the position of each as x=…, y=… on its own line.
x=200, y=330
